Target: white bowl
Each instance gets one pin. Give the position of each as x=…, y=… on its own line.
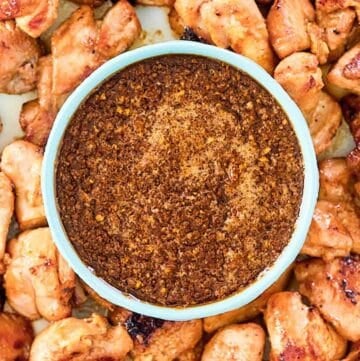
x=268, y=276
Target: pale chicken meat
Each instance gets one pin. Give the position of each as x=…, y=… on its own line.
x=233, y=24
x=10, y=9
x=21, y=161
x=249, y=311
x=16, y=336
x=301, y=77
x=19, y=54
x=90, y=339
x=346, y=72
x=298, y=332
x=7, y=200
x=335, y=228
x=244, y=342
x=334, y=288
x=79, y=46
x=287, y=24
x=38, y=282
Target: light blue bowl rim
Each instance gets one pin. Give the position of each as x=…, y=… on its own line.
x=271, y=274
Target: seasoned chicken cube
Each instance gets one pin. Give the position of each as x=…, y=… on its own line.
x=38, y=282
x=287, y=24
x=156, y=339
x=19, y=54
x=334, y=287
x=244, y=342
x=230, y=24
x=10, y=9
x=90, y=339
x=301, y=77
x=7, y=200
x=346, y=72
x=16, y=336
x=21, y=161
x=298, y=332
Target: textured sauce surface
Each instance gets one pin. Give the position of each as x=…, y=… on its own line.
x=179, y=180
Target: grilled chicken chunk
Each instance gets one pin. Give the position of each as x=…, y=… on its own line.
x=233, y=24
x=244, y=342
x=38, y=282
x=90, y=339
x=298, y=332
x=19, y=54
x=21, y=162
x=334, y=288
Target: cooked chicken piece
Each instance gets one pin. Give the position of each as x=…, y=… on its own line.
x=21, y=161
x=156, y=339
x=39, y=20
x=192, y=354
x=230, y=24
x=346, y=72
x=334, y=287
x=244, y=342
x=354, y=354
x=176, y=23
x=337, y=27
x=318, y=47
x=79, y=46
x=301, y=77
x=19, y=54
x=298, y=332
x=329, y=6
x=335, y=180
x=16, y=335
x=7, y=200
x=248, y=311
x=351, y=111
x=156, y=2
x=38, y=282
x=335, y=229
x=10, y=9
x=90, y=339
x=118, y=30
x=324, y=122
x=37, y=116
x=287, y=24
x=166, y=342
x=328, y=237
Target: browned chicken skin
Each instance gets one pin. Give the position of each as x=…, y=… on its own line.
x=334, y=287
x=287, y=24
x=243, y=342
x=79, y=46
x=229, y=24
x=91, y=339
x=19, y=54
x=21, y=161
x=38, y=282
x=298, y=332
x=16, y=336
x=346, y=72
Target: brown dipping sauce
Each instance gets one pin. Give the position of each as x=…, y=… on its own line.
x=179, y=180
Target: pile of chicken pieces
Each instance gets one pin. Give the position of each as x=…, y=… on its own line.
x=312, y=48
